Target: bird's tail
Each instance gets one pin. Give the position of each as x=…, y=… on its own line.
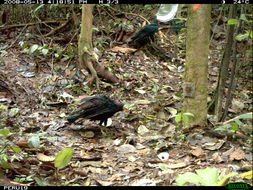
x=73, y=116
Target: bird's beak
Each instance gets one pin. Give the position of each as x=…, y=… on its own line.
x=125, y=108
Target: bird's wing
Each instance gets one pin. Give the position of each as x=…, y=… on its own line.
x=95, y=106
x=145, y=31
x=87, y=105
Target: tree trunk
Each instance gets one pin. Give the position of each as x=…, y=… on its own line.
x=197, y=49
x=85, y=50
x=85, y=43
x=219, y=95
x=234, y=73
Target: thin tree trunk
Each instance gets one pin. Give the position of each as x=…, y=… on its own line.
x=220, y=94
x=234, y=72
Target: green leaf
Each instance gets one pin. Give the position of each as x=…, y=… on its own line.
x=208, y=176
x=178, y=118
x=165, y=168
x=205, y=177
x=56, y=55
x=44, y=51
x=34, y=141
x=5, y=165
x=63, y=157
x=4, y=132
x=95, y=29
x=33, y=48
x=85, y=49
x=13, y=112
x=241, y=37
x=186, y=120
x=188, y=177
x=188, y=114
x=22, y=44
x=237, y=121
x=16, y=149
x=224, y=179
x=223, y=127
x=234, y=126
x=3, y=107
x=243, y=17
x=41, y=181
x=39, y=7
x=233, y=21
x=250, y=32
x=246, y=116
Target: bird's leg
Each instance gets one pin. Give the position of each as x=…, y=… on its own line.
x=105, y=122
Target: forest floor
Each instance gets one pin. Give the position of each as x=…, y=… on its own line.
x=141, y=146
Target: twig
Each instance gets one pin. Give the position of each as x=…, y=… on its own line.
x=216, y=24
x=28, y=24
x=137, y=16
x=58, y=28
x=17, y=37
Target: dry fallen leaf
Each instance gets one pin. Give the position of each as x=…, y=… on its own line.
x=198, y=152
x=178, y=165
x=126, y=148
x=141, y=102
x=45, y=158
x=104, y=183
x=217, y=158
x=87, y=134
x=144, y=182
x=122, y=49
x=213, y=146
x=238, y=154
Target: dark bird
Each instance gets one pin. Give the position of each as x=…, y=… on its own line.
x=99, y=107
x=145, y=34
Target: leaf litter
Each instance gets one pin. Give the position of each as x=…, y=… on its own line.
x=137, y=148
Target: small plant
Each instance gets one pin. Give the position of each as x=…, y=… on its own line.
x=205, y=177
x=183, y=119
x=23, y=178
x=41, y=51
x=248, y=34
x=63, y=158
x=234, y=124
x=7, y=148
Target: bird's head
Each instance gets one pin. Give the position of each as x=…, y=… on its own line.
x=120, y=106
x=154, y=22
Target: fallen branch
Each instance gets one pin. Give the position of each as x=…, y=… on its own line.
x=28, y=24
x=58, y=28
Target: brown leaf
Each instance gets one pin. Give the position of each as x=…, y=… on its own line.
x=122, y=49
x=178, y=165
x=47, y=166
x=217, y=158
x=81, y=172
x=198, y=152
x=104, y=183
x=45, y=158
x=23, y=143
x=238, y=154
x=213, y=146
